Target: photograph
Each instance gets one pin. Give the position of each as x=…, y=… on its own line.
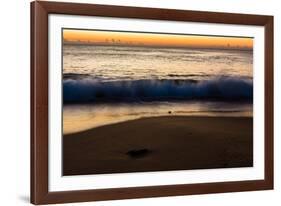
x=148, y=102
x=132, y=102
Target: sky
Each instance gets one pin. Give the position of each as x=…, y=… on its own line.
x=155, y=39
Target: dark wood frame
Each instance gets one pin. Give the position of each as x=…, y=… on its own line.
x=39, y=102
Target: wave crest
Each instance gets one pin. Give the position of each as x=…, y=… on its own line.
x=88, y=90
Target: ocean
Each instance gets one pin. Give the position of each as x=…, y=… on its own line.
x=109, y=84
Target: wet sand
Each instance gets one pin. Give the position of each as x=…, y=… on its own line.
x=160, y=143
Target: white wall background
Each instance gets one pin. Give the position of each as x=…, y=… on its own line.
x=14, y=102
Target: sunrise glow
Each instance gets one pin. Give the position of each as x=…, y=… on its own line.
x=155, y=39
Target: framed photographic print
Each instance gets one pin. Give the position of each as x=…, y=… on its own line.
x=131, y=102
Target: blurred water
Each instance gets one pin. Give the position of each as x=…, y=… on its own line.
x=82, y=117
x=109, y=63
x=110, y=84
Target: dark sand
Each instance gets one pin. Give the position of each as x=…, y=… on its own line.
x=160, y=143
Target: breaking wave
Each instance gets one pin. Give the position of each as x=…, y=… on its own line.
x=87, y=90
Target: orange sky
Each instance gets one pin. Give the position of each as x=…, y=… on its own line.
x=152, y=39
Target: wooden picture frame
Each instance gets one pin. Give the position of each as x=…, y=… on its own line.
x=40, y=193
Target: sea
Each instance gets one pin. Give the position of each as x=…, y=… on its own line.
x=109, y=84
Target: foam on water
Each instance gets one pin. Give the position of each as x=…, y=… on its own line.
x=85, y=90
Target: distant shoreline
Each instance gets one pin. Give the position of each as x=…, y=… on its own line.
x=156, y=47
x=160, y=144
